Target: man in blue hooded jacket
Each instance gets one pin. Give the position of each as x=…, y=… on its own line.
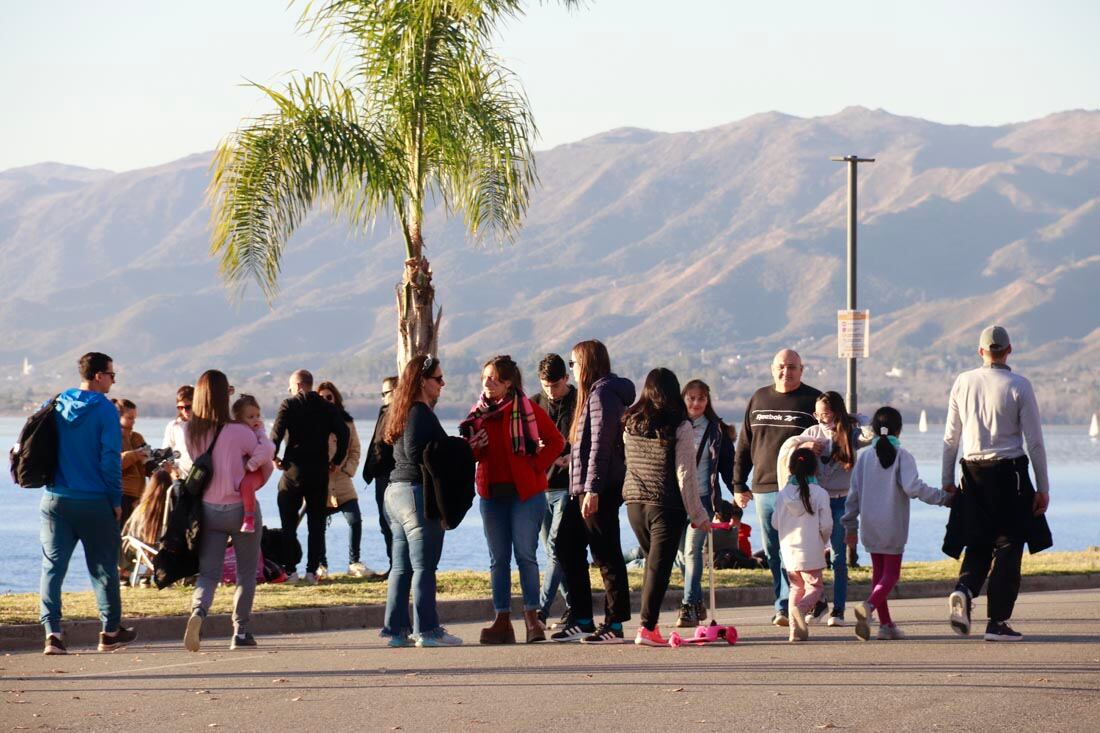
x=83, y=503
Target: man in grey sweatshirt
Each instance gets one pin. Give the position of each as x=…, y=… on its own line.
x=992, y=412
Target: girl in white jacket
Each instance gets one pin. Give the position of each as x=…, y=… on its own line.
x=884, y=481
x=804, y=522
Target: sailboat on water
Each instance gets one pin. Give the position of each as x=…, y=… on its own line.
x=1094, y=428
x=923, y=424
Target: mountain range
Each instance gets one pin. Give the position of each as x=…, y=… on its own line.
x=713, y=248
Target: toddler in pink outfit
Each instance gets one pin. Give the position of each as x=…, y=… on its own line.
x=246, y=410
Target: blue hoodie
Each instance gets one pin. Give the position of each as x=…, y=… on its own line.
x=89, y=447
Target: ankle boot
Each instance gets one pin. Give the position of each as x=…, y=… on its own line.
x=535, y=630
x=500, y=631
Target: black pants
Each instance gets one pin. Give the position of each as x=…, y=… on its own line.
x=1004, y=555
x=354, y=518
x=1002, y=495
x=309, y=485
x=380, y=485
x=600, y=532
x=658, y=529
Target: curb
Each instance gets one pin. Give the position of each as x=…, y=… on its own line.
x=335, y=618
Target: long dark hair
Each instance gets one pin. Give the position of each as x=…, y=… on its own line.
x=595, y=364
x=408, y=389
x=803, y=465
x=660, y=409
x=209, y=410
x=888, y=419
x=146, y=521
x=843, y=426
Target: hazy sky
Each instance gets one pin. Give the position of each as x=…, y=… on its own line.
x=122, y=84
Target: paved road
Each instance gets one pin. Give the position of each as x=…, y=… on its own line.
x=344, y=680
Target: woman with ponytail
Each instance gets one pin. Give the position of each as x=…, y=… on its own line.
x=834, y=440
x=883, y=483
x=804, y=523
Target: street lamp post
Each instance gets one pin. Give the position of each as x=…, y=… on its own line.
x=853, y=161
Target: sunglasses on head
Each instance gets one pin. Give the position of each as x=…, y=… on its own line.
x=430, y=363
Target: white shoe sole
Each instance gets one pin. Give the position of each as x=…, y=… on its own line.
x=640, y=641
x=191, y=637
x=960, y=622
x=835, y=622
x=999, y=637
x=800, y=629
x=863, y=624
x=615, y=640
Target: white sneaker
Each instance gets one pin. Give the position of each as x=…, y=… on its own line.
x=835, y=619
x=292, y=578
x=959, y=604
x=890, y=633
x=322, y=572
x=863, y=620
x=359, y=570
x=192, y=635
x=308, y=579
x=440, y=637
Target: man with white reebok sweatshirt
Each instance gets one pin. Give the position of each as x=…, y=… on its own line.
x=992, y=413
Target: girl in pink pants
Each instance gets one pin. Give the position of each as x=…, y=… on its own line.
x=884, y=481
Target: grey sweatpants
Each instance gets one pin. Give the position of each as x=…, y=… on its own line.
x=219, y=522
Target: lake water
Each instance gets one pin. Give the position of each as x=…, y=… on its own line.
x=1074, y=512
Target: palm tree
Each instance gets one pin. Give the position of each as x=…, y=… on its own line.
x=428, y=111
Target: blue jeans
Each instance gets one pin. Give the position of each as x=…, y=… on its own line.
x=512, y=526
x=840, y=555
x=354, y=517
x=693, y=557
x=417, y=545
x=91, y=522
x=554, y=575
x=765, y=507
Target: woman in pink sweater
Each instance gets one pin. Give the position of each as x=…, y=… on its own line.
x=237, y=449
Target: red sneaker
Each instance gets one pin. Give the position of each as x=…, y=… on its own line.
x=645, y=637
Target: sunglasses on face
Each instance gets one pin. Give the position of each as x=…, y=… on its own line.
x=111, y=375
x=184, y=408
x=387, y=393
x=327, y=397
x=436, y=379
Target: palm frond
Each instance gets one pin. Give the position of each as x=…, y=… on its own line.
x=268, y=175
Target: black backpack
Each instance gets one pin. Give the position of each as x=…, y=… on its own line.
x=34, y=458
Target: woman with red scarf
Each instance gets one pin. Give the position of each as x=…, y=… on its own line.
x=515, y=443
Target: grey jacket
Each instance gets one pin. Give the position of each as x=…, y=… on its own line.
x=882, y=496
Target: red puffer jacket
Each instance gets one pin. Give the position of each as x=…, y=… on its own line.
x=497, y=464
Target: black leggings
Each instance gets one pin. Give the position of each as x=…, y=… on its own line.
x=600, y=532
x=658, y=529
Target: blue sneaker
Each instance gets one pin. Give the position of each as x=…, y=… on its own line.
x=398, y=641
x=439, y=637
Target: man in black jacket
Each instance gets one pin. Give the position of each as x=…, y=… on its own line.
x=379, y=463
x=559, y=399
x=774, y=413
x=306, y=421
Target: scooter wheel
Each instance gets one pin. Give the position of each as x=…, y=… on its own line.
x=675, y=640
x=731, y=634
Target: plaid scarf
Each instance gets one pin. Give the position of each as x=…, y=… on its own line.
x=522, y=427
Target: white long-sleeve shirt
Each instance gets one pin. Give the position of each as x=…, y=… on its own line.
x=992, y=412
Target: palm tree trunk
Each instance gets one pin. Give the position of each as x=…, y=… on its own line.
x=417, y=330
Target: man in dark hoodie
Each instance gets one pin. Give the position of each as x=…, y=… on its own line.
x=774, y=413
x=306, y=421
x=559, y=399
x=84, y=503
